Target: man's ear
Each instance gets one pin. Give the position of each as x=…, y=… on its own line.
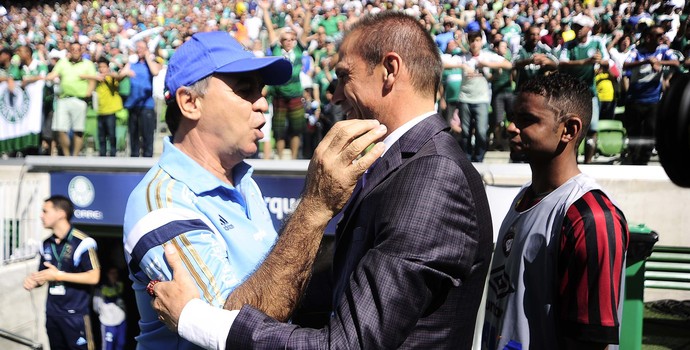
x=189, y=103
x=392, y=63
x=572, y=128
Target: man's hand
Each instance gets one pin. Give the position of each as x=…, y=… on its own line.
x=30, y=283
x=171, y=297
x=656, y=65
x=539, y=58
x=277, y=285
x=49, y=274
x=336, y=165
x=596, y=58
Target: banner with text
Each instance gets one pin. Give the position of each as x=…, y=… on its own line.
x=101, y=198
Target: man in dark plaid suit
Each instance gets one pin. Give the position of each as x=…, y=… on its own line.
x=414, y=244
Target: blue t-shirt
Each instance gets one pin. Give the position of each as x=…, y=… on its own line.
x=141, y=93
x=74, y=254
x=222, y=233
x=645, y=83
x=443, y=39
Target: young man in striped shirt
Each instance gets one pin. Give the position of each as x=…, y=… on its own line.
x=557, y=270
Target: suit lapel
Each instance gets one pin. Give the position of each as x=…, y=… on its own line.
x=407, y=146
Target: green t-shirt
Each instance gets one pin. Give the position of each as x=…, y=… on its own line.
x=330, y=25
x=318, y=55
x=70, y=83
x=36, y=68
x=293, y=88
x=322, y=81
x=278, y=18
x=531, y=71
x=511, y=31
x=452, y=81
x=11, y=71
x=501, y=81
x=574, y=51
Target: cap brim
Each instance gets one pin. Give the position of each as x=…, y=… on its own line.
x=273, y=70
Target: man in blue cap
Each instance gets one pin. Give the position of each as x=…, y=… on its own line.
x=200, y=199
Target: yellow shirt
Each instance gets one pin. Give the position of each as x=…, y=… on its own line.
x=109, y=100
x=605, y=90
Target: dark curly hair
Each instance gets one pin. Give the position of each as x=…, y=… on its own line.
x=565, y=93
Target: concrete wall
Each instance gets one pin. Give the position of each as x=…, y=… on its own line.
x=22, y=312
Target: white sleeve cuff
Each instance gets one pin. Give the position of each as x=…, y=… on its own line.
x=204, y=325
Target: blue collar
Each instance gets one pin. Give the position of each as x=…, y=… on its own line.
x=199, y=180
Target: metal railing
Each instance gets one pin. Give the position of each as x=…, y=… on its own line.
x=20, y=223
x=16, y=338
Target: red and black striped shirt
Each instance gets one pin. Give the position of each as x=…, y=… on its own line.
x=591, y=262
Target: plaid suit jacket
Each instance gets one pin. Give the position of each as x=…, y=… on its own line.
x=412, y=253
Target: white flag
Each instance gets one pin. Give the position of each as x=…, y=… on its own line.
x=21, y=116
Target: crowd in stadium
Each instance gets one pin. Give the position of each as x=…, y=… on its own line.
x=97, y=66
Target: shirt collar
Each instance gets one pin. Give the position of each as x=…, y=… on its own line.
x=199, y=180
x=399, y=132
x=54, y=237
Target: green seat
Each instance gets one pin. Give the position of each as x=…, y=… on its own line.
x=91, y=127
x=121, y=128
x=121, y=137
x=611, y=137
x=668, y=268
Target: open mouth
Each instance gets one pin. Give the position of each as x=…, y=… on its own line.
x=515, y=145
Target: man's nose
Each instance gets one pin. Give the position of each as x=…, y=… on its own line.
x=512, y=129
x=261, y=104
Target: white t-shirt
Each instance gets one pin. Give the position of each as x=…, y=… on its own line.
x=475, y=86
x=253, y=25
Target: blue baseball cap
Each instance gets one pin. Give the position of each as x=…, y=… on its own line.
x=473, y=27
x=218, y=52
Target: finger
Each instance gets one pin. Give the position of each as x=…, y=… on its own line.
x=179, y=272
x=368, y=159
x=39, y=278
x=157, y=305
x=353, y=141
x=173, y=260
x=344, y=132
x=150, y=288
x=48, y=265
x=358, y=145
x=339, y=129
